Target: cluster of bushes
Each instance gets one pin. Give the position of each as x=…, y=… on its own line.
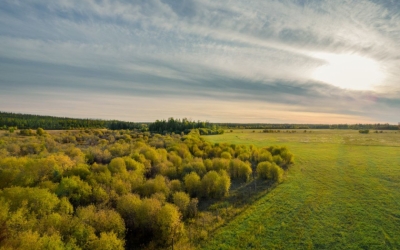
x=102, y=189
x=271, y=131
x=205, y=131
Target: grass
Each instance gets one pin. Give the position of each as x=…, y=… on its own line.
x=342, y=193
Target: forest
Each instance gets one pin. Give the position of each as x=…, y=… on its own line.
x=28, y=121
x=123, y=189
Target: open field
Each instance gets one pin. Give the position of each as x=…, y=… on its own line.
x=342, y=193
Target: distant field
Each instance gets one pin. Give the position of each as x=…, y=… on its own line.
x=342, y=193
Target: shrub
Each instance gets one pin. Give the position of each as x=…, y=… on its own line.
x=40, y=131
x=270, y=171
x=26, y=132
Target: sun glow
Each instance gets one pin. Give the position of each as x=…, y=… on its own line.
x=349, y=71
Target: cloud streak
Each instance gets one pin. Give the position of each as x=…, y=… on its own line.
x=228, y=58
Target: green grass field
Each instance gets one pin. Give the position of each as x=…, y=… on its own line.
x=342, y=193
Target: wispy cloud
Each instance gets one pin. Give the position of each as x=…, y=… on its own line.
x=233, y=58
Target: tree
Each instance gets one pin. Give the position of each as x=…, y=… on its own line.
x=37, y=200
x=74, y=230
x=152, y=186
x=181, y=200
x=117, y=165
x=245, y=171
x=148, y=213
x=265, y=156
x=226, y=155
x=209, y=184
x=287, y=157
x=223, y=184
x=192, y=208
x=40, y=131
x=276, y=173
x=175, y=186
x=192, y=183
x=263, y=169
x=175, y=159
x=277, y=159
x=107, y=241
x=4, y=211
x=75, y=189
x=32, y=240
x=271, y=171
x=220, y=164
x=65, y=207
x=102, y=220
x=240, y=169
x=132, y=165
x=169, y=225
x=195, y=165
x=128, y=206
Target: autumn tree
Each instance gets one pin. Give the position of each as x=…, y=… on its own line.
x=192, y=184
x=75, y=189
x=169, y=225
x=181, y=200
x=102, y=220
x=271, y=171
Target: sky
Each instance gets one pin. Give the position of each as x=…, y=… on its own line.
x=288, y=61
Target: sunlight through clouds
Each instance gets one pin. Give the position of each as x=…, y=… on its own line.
x=349, y=71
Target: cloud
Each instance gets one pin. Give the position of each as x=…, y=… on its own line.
x=236, y=54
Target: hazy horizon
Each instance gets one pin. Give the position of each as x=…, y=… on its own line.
x=297, y=61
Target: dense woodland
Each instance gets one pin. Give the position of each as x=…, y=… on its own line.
x=25, y=121
x=104, y=189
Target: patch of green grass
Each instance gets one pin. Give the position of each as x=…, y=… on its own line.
x=342, y=193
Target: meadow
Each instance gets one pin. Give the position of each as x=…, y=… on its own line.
x=342, y=193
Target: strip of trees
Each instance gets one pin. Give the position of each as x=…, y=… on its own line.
x=185, y=125
x=96, y=189
x=12, y=121
x=26, y=121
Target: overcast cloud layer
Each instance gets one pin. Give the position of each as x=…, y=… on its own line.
x=222, y=61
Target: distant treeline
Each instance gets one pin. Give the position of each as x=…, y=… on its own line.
x=24, y=121
x=377, y=126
